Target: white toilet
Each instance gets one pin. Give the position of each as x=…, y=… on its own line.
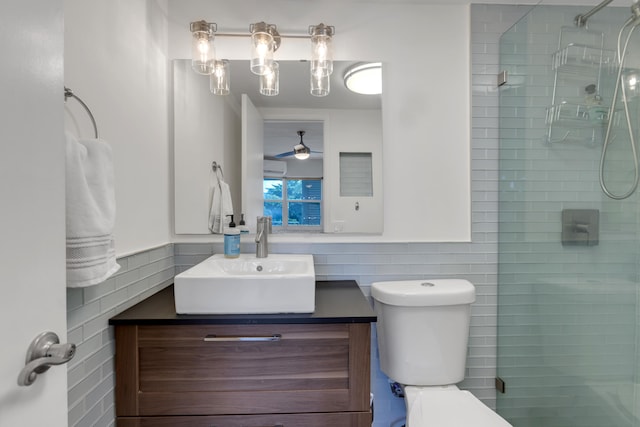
x=423, y=329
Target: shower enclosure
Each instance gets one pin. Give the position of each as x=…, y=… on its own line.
x=568, y=252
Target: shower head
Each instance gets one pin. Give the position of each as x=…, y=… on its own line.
x=635, y=11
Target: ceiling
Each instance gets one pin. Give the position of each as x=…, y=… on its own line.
x=280, y=136
x=295, y=88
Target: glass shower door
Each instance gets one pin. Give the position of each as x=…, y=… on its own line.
x=568, y=255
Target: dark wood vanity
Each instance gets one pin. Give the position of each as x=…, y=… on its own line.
x=245, y=370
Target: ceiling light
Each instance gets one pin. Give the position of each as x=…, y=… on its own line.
x=301, y=151
x=365, y=79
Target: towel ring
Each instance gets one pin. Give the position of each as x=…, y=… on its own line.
x=215, y=167
x=68, y=93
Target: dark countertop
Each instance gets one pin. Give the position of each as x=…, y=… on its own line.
x=338, y=301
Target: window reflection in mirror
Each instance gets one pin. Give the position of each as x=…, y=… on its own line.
x=294, y=204
x=293, y=172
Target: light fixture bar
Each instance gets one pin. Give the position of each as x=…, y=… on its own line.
x=282, y=36
x=265, y=40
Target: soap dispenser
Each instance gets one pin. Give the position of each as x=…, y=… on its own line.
x=242, y=226
x=231, y=240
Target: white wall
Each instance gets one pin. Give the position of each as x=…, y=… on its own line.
x=425, y=104
x=207, y=133
x=311, y=168
x=115, y=60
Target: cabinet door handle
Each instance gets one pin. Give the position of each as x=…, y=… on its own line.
x=274, y=425
x=218, y=338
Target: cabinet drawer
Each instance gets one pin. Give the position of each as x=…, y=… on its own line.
x=241, y=369
x=251, y=357
x=352, y=419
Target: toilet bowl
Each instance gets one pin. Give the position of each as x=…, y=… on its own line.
x=423, y=331
x=448, y=406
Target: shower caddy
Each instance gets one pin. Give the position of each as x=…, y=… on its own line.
x=577, y=112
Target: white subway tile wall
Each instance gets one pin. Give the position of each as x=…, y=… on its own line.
x=91, y=371
x=91, y=376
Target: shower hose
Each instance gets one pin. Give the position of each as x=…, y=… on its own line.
x=631, y=23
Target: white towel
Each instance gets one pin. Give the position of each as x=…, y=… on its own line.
x=221, y=206
x=91, y=210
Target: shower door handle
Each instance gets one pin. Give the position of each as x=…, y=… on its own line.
x=45, y=351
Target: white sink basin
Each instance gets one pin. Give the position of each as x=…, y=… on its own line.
x=280, y=283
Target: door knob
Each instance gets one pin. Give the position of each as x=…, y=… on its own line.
x=45, y=351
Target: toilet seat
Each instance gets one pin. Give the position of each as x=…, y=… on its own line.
x=448, y=407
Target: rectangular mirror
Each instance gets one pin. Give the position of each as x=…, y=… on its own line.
x=254, y=139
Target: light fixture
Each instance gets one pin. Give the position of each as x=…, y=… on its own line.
x=632, y=83
x=219, y=81
x=300, y=150
x=321, y=49
x=302, y=153
x=319, y=83
x=270, y=81
x=202, y=51
x=265, y=40
x=365, y=79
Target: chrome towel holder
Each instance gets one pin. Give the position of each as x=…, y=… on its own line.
x=68, y=93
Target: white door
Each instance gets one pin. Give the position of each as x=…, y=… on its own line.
x=32, y=223
x=252, y=162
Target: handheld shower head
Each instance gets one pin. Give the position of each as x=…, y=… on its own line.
x=635, y=11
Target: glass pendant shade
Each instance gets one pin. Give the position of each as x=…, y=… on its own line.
x=270, y=81
x=202, y=50
x=319, y=83
x=262, y=48
x=219, y=81
x=321, y=49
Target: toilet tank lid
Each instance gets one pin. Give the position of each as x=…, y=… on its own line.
x=424, y=293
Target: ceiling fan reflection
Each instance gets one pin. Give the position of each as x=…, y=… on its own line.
x=300, y=150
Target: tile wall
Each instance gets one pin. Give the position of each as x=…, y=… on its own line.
x=91, y=372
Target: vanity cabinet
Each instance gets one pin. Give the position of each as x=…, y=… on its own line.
x=211, y=374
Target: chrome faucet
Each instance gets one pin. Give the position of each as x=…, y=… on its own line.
x=262, y=231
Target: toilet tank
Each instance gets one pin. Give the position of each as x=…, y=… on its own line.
x=423, y=329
